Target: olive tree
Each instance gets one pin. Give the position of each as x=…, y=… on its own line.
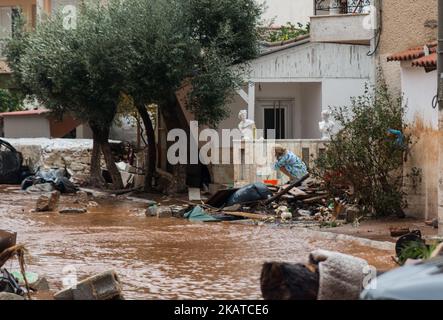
x=75, y=69
x=197, y=41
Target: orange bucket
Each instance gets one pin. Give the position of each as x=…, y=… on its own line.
x=271, y=182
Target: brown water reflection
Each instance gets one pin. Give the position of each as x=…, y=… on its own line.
x=159, y=258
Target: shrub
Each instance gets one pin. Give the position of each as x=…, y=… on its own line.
x=10, y=101
x=364, y=156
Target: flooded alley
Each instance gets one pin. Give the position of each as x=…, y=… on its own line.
x=158, y=258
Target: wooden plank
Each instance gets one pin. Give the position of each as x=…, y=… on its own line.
x=286, y=190
x=255, y=216
x=315, y=199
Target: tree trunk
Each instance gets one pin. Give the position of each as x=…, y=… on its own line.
x=95, y=177
x=151, y=155
x=174, y=118
x=101, y=135
x=284, y=281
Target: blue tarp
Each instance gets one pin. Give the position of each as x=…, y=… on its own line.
x=198, y=214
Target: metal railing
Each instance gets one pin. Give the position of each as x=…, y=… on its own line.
x=324, y=7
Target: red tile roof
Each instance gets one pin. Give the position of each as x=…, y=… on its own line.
x=426, y=61
x=418, y=56
x=34, y=112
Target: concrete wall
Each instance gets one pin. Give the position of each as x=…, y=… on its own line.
x=343, y=28
x=405, y=24
x=419, y=88
x=338, y=92
x=283, y=11
x=26, y=127
x=56, y=153
x=311, y=105
x=312, y=61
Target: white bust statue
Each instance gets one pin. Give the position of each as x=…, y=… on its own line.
x=326, y=125
x=246, y=126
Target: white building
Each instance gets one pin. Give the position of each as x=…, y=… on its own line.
x=281, y=12
x=419, y=88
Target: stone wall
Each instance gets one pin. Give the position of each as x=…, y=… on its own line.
x=75, y=154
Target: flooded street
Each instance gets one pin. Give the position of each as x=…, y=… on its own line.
x=159, y=258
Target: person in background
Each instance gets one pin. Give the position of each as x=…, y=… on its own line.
x=289, y=164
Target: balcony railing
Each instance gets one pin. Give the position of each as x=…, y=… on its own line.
x=325, y=7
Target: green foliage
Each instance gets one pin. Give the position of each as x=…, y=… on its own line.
x=144, y=49
x=73, y=70
x=196, y=42
x=10, y=101
x=415, y=250
x=288, y=32
x=229, y=25
x=364, y=156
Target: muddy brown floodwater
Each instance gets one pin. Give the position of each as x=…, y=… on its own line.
x=158, y=258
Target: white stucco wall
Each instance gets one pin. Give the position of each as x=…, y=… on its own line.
x=311, y=108
x=309, y=61
x=314, y=76
x=283, y=11
x=338, y=92
x=26, y=127
x=419, y=88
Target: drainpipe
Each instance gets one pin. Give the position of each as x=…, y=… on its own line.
x=376, y=28
x=440, y=114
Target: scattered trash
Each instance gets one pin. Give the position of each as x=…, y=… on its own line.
x=32, y=277
x=57, y=178
x=8, y=283
x=104, y=286
x=250, y=193
x=199, y=214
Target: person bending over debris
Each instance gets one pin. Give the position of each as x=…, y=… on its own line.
x=289, y=164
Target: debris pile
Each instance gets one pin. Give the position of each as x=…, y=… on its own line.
x=304, y=201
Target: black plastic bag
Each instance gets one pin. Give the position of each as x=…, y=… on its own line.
x=250, y=193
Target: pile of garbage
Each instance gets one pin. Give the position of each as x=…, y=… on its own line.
x=304, y=201
x=47, y=180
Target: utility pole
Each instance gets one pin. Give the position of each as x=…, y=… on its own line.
x=440, y=114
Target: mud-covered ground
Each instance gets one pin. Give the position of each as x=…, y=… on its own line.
x=158, y=258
